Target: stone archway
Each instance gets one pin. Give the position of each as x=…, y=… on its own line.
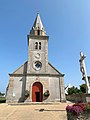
x=37, y=92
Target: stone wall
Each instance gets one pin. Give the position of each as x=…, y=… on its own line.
x=78, y=97
x=49, y=83
x=19, y=84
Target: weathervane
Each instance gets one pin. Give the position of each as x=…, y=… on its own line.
x=83, y=70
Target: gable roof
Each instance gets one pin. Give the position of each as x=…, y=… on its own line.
x=22, y=70
x=52, y=69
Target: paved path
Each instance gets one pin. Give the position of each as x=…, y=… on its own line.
x=32, y=112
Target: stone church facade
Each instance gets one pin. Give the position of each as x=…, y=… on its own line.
x=36, y=80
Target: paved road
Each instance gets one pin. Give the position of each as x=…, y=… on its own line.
x=32, y=112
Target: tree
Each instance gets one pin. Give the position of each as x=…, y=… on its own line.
x=83, y=88
x=2, y=94
x=76, y=90
x=73, y=90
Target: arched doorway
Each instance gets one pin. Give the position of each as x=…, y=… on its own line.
x=37, y=92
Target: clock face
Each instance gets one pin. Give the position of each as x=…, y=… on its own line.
x=37, y=65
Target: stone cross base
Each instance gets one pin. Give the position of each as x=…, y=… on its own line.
x=87, y=99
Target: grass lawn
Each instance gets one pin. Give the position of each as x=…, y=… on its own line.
x=2, y=99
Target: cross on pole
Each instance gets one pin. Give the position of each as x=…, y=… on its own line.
x=83, y=71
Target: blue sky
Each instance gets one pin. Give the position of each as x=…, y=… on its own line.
x=67, y=22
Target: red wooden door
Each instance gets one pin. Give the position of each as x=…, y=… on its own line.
x=37, y=92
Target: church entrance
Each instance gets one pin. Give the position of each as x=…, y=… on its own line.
x=37, y=92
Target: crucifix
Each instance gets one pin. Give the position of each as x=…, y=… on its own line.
x=83, y=71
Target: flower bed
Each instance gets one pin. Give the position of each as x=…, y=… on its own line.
x=78, y=111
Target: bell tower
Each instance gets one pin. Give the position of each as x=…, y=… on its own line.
x=37, y=48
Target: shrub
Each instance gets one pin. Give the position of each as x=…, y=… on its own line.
x=78, y=108
x=80, y=105
x=87, y=106
x=75, y=110
x=46, y=94
x=2, y=100
x=27, y=93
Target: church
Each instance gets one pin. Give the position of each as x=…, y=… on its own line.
x=37, y=80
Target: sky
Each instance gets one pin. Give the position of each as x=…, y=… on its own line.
x=67, y=23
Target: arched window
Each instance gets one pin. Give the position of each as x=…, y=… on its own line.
x=39, y=45
x=38, y=32
x=36, y=45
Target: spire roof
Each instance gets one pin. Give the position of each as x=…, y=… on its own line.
x=38, y=23
x=38, y=26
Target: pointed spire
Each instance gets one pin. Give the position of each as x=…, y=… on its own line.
x=38, y=28
x=38, y=23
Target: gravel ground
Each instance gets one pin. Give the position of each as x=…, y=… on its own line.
x=33, y=112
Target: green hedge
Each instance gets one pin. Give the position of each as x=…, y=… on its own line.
x=2, y=99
